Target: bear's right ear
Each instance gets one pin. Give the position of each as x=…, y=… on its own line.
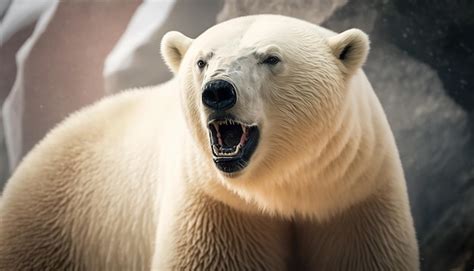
x=173, y=48
x=351, y=47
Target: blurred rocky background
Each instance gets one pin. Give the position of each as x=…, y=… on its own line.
x=421, y=66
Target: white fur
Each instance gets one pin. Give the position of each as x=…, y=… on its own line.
x=129, y=183
x=174, y=53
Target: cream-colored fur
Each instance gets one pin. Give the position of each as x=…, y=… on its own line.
x=129, y=183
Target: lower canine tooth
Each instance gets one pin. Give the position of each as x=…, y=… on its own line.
x=223, y=152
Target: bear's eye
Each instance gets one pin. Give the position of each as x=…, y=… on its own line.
x=201, y=63
x=271, y=60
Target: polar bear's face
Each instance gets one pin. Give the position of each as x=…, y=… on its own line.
x=259, y=90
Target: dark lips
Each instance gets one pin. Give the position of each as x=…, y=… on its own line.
x=232, y=142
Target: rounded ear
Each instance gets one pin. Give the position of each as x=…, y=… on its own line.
x=173, y=48
x=351, y=47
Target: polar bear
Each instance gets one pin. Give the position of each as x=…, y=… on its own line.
x=268, y=151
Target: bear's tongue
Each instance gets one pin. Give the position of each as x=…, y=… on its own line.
x=230, y=134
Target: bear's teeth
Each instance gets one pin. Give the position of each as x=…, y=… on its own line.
x=218, y=150
x=244, y=136
x=218, y=133
x=215, y=149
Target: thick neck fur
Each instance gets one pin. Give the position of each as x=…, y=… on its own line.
x=337, y=172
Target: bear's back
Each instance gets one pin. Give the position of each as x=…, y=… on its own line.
x=85, y=185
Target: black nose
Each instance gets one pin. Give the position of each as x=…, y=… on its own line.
x=219, y=95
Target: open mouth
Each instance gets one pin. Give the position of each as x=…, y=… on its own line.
x=232, y=143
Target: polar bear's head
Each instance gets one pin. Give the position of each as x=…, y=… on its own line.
x=258, y=90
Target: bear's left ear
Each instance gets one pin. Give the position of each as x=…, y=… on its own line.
x=351, y=47
x=174, y=46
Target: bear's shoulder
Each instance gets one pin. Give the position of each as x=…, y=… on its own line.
x=107, y=123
